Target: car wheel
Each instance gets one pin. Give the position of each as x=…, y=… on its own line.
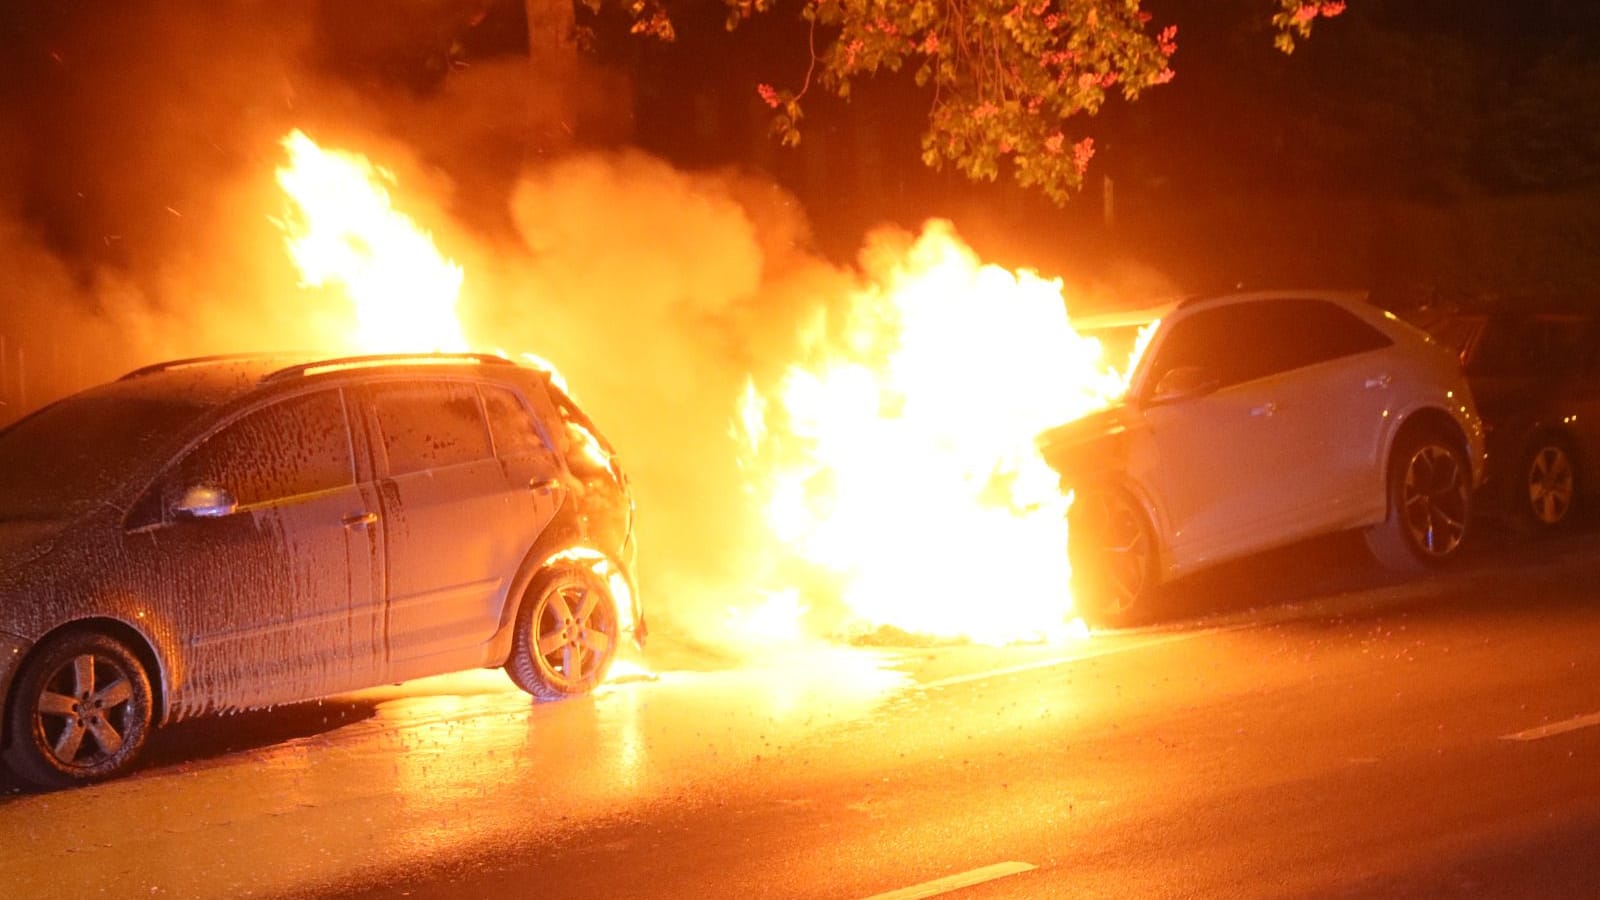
x=1547, y=486
x=80, y=712
x=1429, y=502
x=566, y=634
x=1113, y=553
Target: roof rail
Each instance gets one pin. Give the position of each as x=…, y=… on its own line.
x=382, y=359
x=195, y=361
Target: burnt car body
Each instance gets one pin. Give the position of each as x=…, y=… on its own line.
x=1256, y=420
x=1536, y=378
x=227, y=533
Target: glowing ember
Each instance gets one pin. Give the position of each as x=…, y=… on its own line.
x=897, y=462
x=344, y=233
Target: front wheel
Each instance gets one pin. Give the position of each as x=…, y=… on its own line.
x=1113, y=554
x=81, y=711
x=1429, y=502
x=566, y=634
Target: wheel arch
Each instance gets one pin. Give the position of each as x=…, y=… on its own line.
x=131, y=637
x=1152, y=512
x=1429, y=420
x=564, y=535
x=1558, y=432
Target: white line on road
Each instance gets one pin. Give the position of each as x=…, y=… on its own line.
x=1554, y=728
x=955, y=882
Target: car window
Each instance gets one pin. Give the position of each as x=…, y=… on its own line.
x=510, y=423
x=1316, y=331
x=429, y=424
x=1229, y=342
x=294, y=447
x=1241, y=342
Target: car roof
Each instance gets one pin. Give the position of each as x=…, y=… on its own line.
x=1341, y=297
x=214, y=380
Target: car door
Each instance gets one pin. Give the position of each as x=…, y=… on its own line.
x=272, y=584
x=1211, y=463
x=1286, y=445
x=1330, y=404
x=456, y=522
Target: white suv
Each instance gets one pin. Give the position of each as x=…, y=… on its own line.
x=1256, y=420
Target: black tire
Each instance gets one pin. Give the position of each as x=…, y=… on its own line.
x=567, y=634
x=1544, y=490
x=80, y=712
x=1429, y=504
x=1112, y=549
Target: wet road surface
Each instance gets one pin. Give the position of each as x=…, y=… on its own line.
x=1318, y=731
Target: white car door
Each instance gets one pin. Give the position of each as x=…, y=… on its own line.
x=1283, y=445
x=1333, y=407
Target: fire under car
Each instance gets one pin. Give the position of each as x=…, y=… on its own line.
x=1257, y=420
x=219, y=534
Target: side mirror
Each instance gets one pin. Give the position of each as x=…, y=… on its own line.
x=204, y=502
x=1183, y=383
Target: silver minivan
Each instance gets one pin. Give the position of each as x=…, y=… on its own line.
x=226, y=533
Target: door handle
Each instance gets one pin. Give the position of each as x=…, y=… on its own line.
x=1264, y=410
x=1378, y=381
x=360, y=520
x=543, y=485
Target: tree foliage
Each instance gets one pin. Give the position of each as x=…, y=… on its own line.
x=1005, y=77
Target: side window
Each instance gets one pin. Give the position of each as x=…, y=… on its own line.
x=1241, y=342
x=427, y=425
x=1213, y=339
x=1313, y=331
x=511, y=424
x=298, y=446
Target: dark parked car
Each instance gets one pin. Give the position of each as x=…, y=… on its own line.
x=227, y=533
x=1536, y=378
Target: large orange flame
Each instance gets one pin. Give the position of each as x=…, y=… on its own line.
x=345, y=233
x=898, y=458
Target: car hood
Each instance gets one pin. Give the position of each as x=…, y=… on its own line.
x=1088, y=447
x=27, y=540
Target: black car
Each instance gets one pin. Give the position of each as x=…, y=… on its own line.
x=1536, y=379
x=218, y=534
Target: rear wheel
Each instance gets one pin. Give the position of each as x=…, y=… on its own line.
x=1113, y=553
x=81, y=711
x=566, y=634
x=1429, y=501
x=1547, y=485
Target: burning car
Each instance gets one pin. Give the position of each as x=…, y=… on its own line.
x=1257, y=420
x=218, y=534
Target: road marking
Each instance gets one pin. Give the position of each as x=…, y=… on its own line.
x=1554, y=728
x=1079, y=657
x=956, y=882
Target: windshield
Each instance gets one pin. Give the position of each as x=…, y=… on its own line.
x=66, y=457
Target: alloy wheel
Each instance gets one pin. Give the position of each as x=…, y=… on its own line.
x=577, y=631
x=84, y=711
x=1112, y=549
x=1435, y=498
x=1550, y=485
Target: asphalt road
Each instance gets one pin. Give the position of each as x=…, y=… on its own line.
x=1306, y=728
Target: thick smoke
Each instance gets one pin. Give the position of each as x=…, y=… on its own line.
x=136, y=223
